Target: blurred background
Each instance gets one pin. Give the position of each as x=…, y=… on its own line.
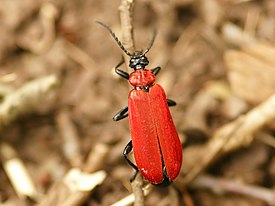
x=59, y=92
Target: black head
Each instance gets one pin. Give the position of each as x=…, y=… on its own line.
x=138, y=59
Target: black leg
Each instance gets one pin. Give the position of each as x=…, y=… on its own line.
x=171, y=103
x=126, y=151
x=134, y=176
x=121, y=114
x=121, y=72
x=156, y=70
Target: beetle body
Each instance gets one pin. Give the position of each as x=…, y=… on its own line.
x=156, y=145
x=155, y=141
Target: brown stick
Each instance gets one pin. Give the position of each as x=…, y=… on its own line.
x=137, y=190
x=48, y=15
x=221, y=184
x=17, y=173
x=126, y=11
x=127, y=38
x=68, y=133
x=69, y=191
x=25, y=99
x=234, y=135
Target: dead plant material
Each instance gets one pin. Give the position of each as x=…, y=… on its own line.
x=251, y=70
x=219, y=185
x=25, y=99
x=130, y=199
x=126, y=18
x=250, y=76
x=18, y=173
x=48, y=16
x=70, y=144
x=229, y=137
x=75, y=187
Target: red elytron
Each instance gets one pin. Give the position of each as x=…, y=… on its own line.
x=155, y=141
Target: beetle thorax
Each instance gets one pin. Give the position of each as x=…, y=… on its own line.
x=142, y=78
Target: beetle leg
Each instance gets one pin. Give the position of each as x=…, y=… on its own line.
x=121, y=72
x=134, y=176
x=121, y=114
x=156, y=70
x=126, y=151
x=171, y=103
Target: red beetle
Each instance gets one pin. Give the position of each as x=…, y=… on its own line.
x=155, y=141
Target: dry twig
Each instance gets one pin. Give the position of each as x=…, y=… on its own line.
x=126, y=19
x=76, y=185
x=25, y=99
x=231, y=136
x=132, y=198
x=48, y=16
x=71, y=144
x=17, y=173
x=126, y=10
x=137, y=190
x=221, y=185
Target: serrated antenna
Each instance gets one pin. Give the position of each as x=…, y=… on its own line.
x=115, y=38
x=151, y=42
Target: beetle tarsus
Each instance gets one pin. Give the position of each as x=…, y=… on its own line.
x=171, y=103
x=134, y=176
x=156, y=70
x=120, y=72
x=121, y=114
x=128, y=148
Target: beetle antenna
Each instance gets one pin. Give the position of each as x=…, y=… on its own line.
x=115, y=38
x=151, y=42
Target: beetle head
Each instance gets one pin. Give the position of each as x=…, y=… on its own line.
x=138, y=60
